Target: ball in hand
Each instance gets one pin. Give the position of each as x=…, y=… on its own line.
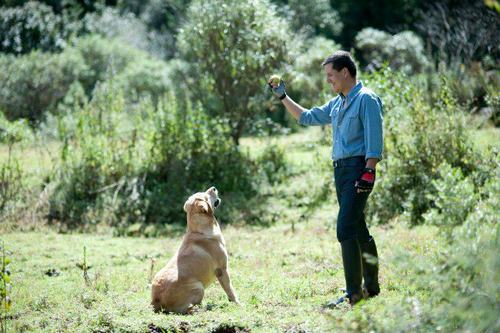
x=274, y=80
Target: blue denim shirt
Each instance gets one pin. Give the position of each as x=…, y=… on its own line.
x=356, y=121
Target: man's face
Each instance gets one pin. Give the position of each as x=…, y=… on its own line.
x=336, y=78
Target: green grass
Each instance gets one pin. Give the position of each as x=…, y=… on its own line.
x=488, y=136
x=281, y=277
x=282, y=273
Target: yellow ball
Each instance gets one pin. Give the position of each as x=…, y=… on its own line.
x=275, y=80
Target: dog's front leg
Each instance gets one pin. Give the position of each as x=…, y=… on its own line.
x=224, y=280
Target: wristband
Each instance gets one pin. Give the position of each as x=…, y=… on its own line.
x=282, y=96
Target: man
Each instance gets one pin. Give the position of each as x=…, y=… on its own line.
x=356, y=117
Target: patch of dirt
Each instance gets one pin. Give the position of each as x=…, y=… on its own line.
x=52, y=272
x=226, y=328
x=183, y=327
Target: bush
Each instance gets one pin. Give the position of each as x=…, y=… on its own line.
x=273, y=163
x=32, y=26
x=35, y=83
x=418, y=138
x=16, y=131
x=129, y=30
x=315, y=17
x=403, y=51
x=455, y=198
x=5, y=287
x=145, y=77
x=104, y=58
x=235, y=46
x=118, y=172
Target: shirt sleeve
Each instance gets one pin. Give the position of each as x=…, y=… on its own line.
x=318, y=115
x=371, y=117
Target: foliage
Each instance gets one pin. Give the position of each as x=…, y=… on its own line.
x=455, y=197
x=473, y=86
x=413, y=156
x=313, y=18
x=403, y=51
x=130, y=30
x=32, y=26
x=34, y=83
x=462, y=33
x=5, y=287
x=111, y=24
x=14, y=131
x=104, y=58
x=145, y=77
x=234, y=48
x=118, y=168
x=493, y=101
x=397, y=16
x=273, y=163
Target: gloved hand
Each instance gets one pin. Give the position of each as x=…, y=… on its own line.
x=277, y=85
x=366, y=181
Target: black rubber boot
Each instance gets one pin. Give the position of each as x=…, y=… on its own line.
x=370, y=267
x=351, y=258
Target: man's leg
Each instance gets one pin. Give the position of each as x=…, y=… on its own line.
x=370, y=267
x=369, y=253
x=347, y=232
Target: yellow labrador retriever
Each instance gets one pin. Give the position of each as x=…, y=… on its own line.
x=201, y=257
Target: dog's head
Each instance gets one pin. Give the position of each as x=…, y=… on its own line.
x=200, y=207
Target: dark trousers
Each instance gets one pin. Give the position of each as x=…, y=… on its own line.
x=351, y=218
x=352, y=233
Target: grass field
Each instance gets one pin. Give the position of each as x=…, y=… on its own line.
x=282, y=272
x=281, y=277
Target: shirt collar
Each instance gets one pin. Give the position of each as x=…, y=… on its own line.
x=353, y=92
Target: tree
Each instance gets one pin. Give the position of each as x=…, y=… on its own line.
x=312, y=17
x=462, y=33
x=233, y=46
x=403, y=51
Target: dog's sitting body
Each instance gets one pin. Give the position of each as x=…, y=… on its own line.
x=200, y=259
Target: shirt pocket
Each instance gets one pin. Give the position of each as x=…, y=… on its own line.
x=354, y=128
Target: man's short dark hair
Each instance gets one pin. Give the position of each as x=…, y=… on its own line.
x=341, y=59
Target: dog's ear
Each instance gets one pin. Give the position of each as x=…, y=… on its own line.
x=188, y=202
x=203, y=207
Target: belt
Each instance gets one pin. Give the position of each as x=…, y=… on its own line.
x=348, y=161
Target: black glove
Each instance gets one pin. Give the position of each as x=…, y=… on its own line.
x=366, y=181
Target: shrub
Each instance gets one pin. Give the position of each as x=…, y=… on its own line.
x=111, y=24
x=235, y=46
x=5, y=287
x=455, y=197
x=145, y=77
x=32, y=26
x=119, y=172
x=373, y=47
x=104, y=58
x=403, y=51
x=16, y=131
x=493, y=100
x=273, y=163
x=35, y=83
x=418, y=139
x=315, y=17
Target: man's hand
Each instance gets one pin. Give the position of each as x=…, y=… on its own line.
x=366, y=181
x=277, y=85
